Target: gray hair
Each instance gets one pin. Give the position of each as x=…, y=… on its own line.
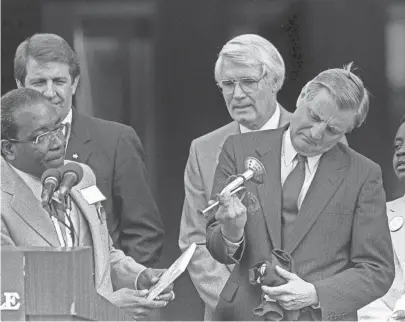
x=253, y=50
x=345, y=87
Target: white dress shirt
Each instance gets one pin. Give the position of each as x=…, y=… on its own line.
x=68, y=120
x=271, y=124
x=288, y=163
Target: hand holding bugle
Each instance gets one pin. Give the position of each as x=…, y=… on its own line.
x=254, y=171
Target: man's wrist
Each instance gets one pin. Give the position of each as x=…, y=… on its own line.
x=314, y=297
x=137, y=278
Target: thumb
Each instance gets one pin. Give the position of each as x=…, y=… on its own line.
x=155, y=275
x=285, y=274
x=154, y=279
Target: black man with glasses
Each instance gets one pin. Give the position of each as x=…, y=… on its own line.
x=33, y=140
x=249, y=72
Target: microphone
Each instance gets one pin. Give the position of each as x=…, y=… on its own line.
x=72, y=174
x=255, y=171
x=50, y=181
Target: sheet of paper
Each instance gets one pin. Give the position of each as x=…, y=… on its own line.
x=173, y=272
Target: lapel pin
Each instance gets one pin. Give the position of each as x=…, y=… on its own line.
x=396, y=223
x=75, y=156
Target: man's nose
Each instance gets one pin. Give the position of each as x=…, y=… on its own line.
x=318, y=130
x=238, y=92
x=58, y=140
x=401, y=150
x=49, y=91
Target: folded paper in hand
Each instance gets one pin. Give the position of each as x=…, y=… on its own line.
x=173, y=272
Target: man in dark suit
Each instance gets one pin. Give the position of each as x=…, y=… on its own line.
x=321, y=205
x=46, y=63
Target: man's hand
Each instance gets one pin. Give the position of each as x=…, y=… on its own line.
x=232, y=216
x=150, y=277
x=135, y=303
x=295, y=294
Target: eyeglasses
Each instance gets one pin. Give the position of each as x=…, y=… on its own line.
x=248, y=85
x=45, y=137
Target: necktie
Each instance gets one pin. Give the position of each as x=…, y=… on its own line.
x=65, y=223
x=293, y=185
x=67, y=132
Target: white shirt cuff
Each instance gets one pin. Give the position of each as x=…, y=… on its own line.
x=136, y=279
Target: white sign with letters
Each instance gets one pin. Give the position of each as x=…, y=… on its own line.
x=10, y=301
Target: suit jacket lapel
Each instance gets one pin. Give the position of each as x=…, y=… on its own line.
x=327, y=179
x=78, y=148
x=26, y=205
x=234, y=129
x=398, y=237
x=270, y=191
x=90, y=214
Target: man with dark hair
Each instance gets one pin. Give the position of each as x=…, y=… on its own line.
x=32, y=141
x=391, y=307
x=47, y=64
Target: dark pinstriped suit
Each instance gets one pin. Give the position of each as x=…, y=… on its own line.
x=333, y=242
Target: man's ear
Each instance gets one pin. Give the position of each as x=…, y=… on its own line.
x=19, y=84
x=7, y=149
x=75, y=83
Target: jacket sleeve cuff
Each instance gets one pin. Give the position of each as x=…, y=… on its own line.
x=235, y=250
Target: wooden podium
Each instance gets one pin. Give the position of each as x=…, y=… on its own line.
x=50, y=284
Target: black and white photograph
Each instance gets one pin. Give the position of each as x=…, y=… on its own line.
x=202, y=160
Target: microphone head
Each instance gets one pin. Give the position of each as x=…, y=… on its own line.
x=53, y=172
x=75, y=168
x=257, y=167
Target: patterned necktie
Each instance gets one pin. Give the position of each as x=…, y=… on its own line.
x=293, y=185
x=67, y=132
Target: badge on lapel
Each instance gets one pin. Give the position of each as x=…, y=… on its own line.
x=94, y=196
x=396, y=223
x=75, y=156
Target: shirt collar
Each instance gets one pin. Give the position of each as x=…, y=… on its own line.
x=289, y=153
x=271, y=124
x=68, y=118
x=32, y=182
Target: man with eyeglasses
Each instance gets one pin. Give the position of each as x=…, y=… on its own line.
x=32, y=141
x=320, y=209
x=249, y=72
x=47, y=64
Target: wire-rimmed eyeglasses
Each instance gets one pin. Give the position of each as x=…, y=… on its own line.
x=248, y=85
x=45, y=137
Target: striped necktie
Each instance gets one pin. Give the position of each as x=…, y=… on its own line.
x=293, y=185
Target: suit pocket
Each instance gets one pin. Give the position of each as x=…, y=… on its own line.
x=229, y=291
